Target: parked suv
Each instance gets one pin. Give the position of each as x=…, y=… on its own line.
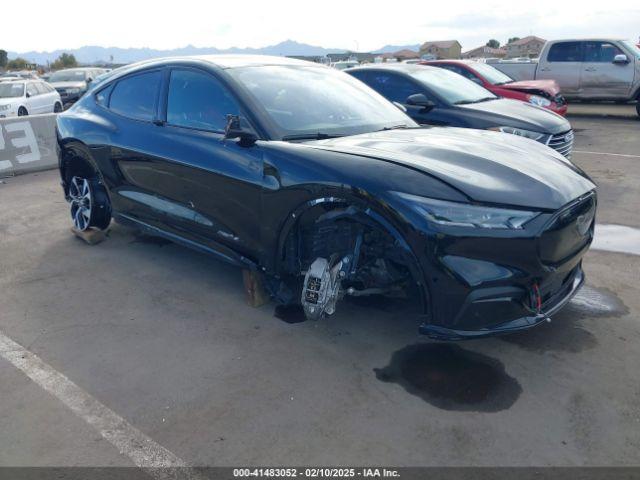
x=543, y=93
x=593, y=69
x=302, y=173
x=28, y=97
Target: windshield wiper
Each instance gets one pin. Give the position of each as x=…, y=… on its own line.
x=395, y=127
x=310, y=136
x=467, y=102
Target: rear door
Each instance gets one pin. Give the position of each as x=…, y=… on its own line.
x=44, y=98
x=563, y=64
x=601, y=78
x=34, y=100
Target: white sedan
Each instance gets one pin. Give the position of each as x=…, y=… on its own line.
x=28, y=97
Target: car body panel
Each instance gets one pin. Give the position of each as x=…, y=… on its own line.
x=474, y=162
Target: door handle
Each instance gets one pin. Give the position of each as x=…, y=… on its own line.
x=545, y=69
x=590, y=69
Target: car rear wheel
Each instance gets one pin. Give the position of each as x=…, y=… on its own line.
x=89, y=204
x=638, y=107
x=57, y=108
x=22, y=112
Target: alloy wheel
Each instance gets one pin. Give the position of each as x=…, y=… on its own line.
x=81, y=202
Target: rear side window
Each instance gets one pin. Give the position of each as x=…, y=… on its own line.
x=41, y=87
x=135, y=97
x=198, y=100
x=600, y=52
x=565, y=52
x=32, y=90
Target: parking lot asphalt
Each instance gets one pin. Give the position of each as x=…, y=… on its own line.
x=162, y=337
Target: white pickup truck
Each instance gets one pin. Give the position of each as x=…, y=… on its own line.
x=591, y=69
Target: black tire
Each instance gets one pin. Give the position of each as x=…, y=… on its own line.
x=88, y=199
x=638, y=107
x=22, y=112
x=57, y=108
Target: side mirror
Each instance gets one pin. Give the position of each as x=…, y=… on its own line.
x=235, y=129
x=89, y=80
x=621, y=59
x=28, y=95
x=420, y=100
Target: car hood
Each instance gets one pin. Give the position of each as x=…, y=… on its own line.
x=68, y=84
x=539, y=119
x=550, y=87
x=488, y=167
x=8, y=101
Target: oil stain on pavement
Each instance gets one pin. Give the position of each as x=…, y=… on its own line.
x=290, y=313
x=452, y=378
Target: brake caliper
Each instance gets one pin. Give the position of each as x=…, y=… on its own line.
x=321, y=289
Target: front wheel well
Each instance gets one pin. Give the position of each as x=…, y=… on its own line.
x=75, y=163
x=382, y=258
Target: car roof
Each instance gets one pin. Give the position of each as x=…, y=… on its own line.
x=398, y=67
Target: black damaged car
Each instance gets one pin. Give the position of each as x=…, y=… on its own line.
x=307, y=176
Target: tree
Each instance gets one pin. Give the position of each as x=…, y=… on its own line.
x=66, y=60
x=3, y=58
x=17, y=64
x=513, y=39
x=493, y=43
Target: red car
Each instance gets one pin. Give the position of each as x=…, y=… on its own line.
x=543, y=93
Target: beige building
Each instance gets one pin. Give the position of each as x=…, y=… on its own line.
x=485, y=52
x=530, y=46
x=401, y=55
x=442, y=49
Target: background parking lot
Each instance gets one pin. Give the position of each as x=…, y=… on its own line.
x=163, y=337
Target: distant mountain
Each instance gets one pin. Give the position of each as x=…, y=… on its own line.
x=93, y=54
x=395, y=48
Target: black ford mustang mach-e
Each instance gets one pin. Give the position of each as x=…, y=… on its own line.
x=304, y=174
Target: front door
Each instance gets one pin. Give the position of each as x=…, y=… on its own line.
x=601, y=77
x=207, y=188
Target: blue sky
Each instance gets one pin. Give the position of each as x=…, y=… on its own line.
x=365, y=25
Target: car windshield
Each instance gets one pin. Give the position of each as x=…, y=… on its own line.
x=451, y=87
x=308, y=101
x=491, y=74
x=68, y=76
x=633, y=47
x=11, y=90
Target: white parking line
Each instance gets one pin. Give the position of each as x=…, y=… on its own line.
x=617, y=238
x=608, y=154
x=142, y=450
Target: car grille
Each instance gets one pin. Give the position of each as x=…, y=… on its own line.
x=560, y=100
x=562, y=143
x=569, y=231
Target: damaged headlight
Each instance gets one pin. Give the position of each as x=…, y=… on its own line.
x=464, y=215
x=538, y=101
